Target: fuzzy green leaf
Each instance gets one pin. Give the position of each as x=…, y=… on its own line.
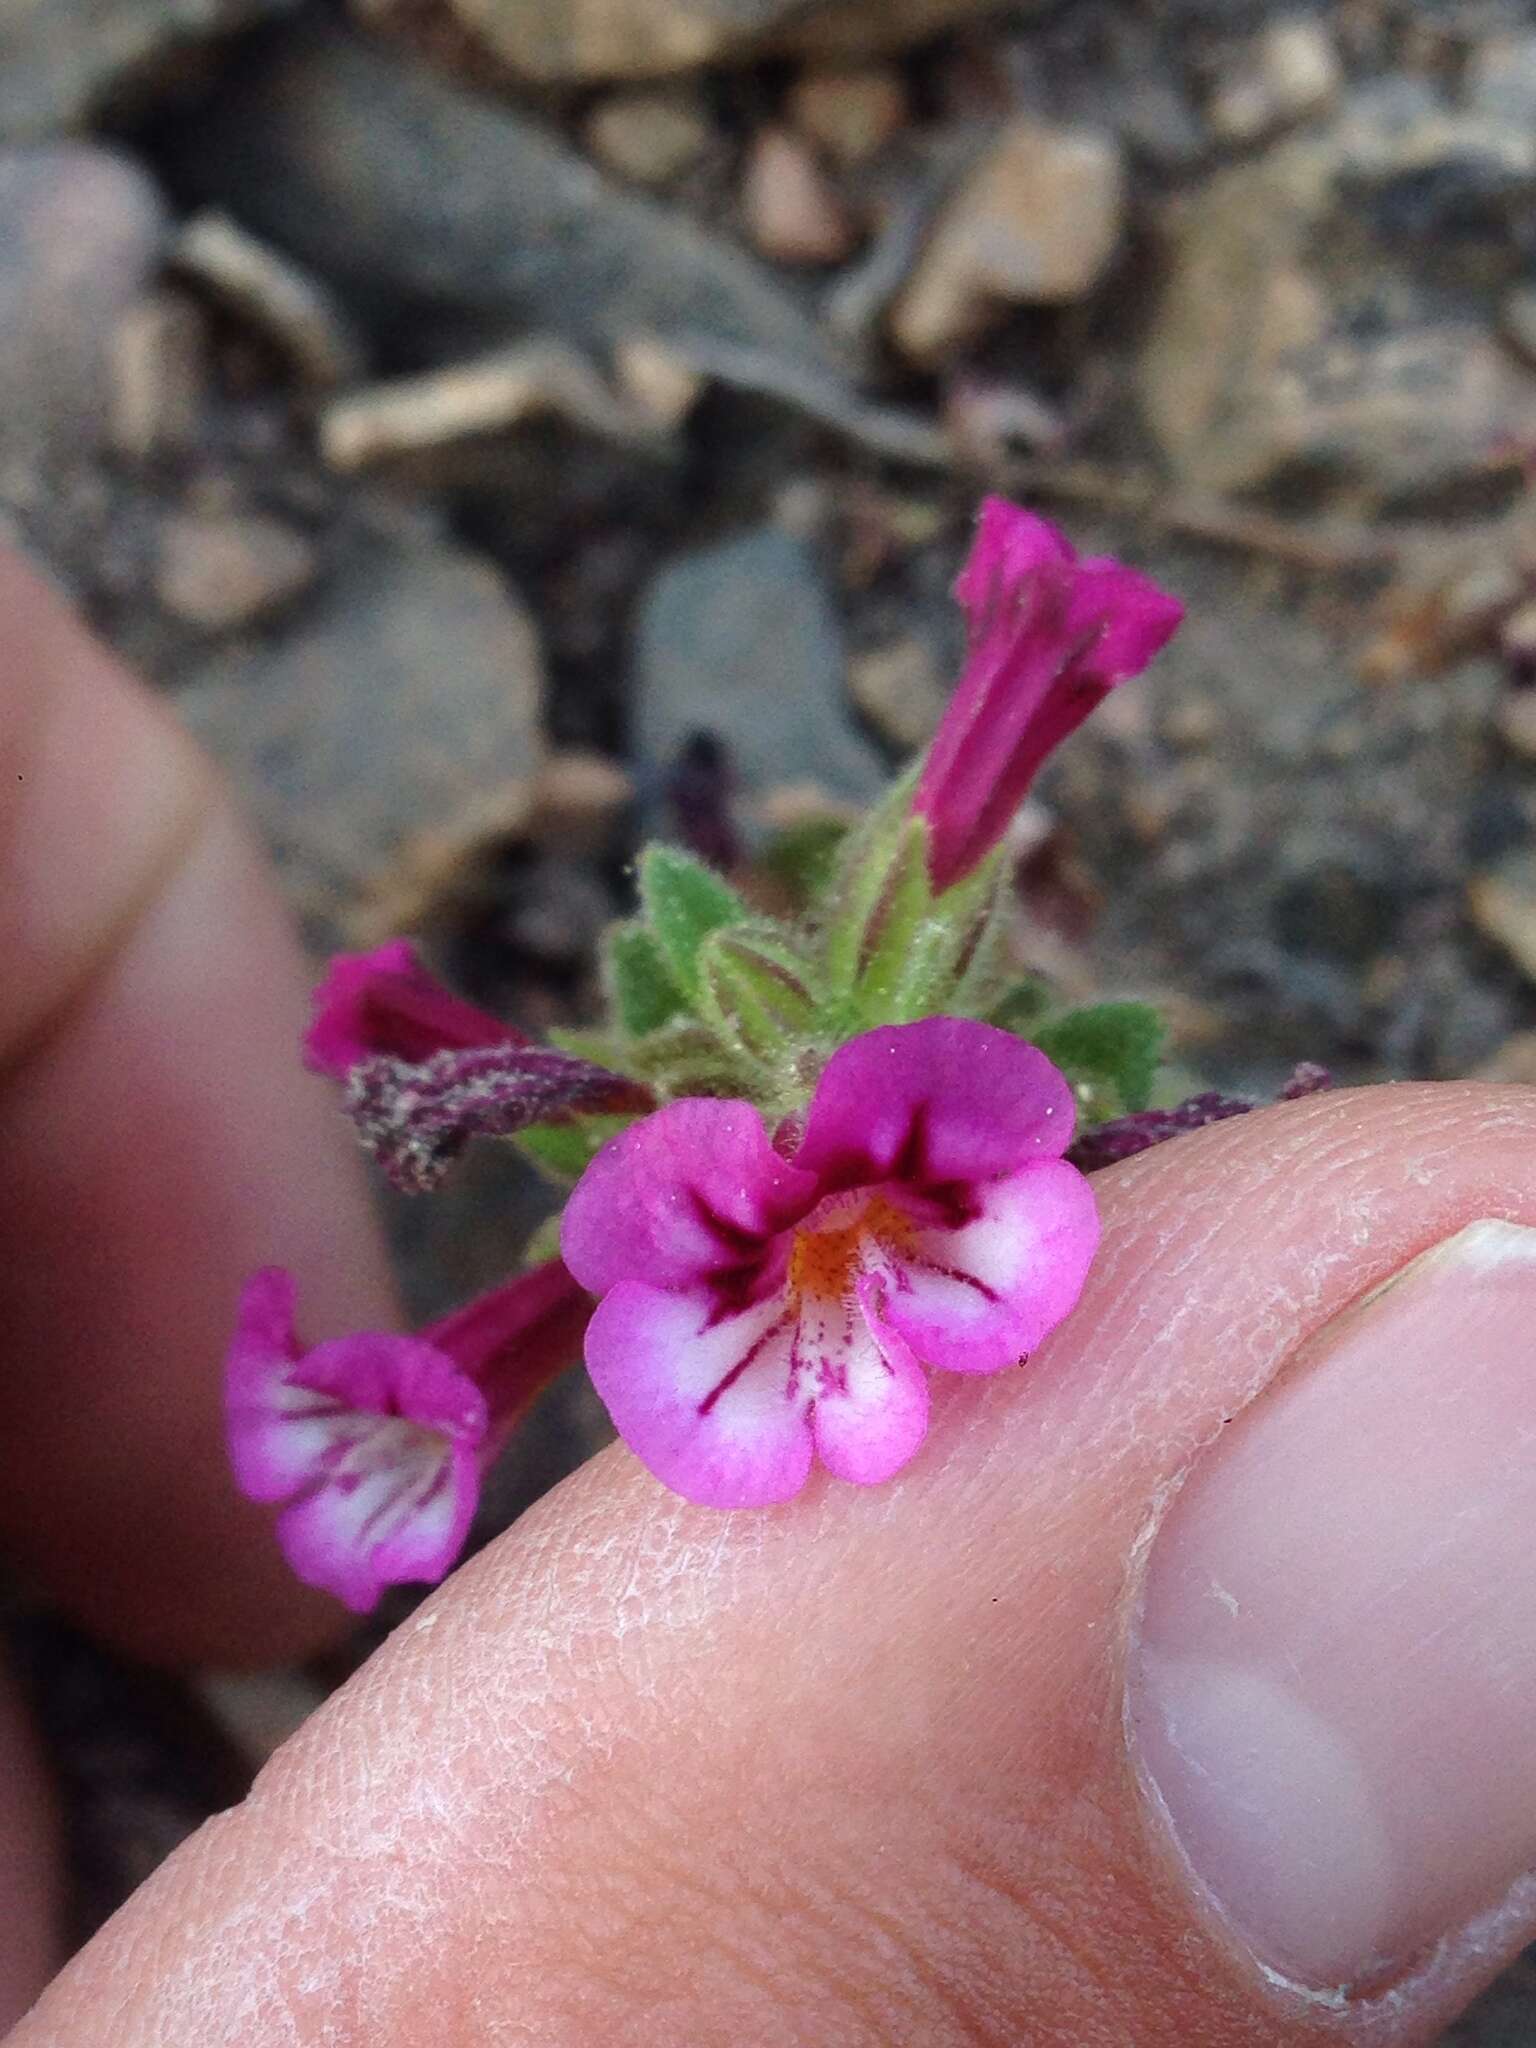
x=1021, y=1007
x=643, y=993
x=684, y=902
x=804, y=857
x=1107, y=1047
x=756, y=990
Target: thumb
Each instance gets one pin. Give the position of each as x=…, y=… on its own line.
x=1178, y=1691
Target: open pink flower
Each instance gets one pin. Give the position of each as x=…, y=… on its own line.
x=375, y=1442
x=756, y=1310
x=1050, y=636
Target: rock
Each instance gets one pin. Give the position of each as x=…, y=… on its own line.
x=1515, y=721
x=794, y=214
x=220, y=570
x=1034, y=222
x=62, y=60
x=1515, y=1060
x=850, y=112
x=578, y=801
x=657, y=379
x=460, y=224
x=1500, y=81
x=649, y=137
x=80, y=234
x=427, y=424
x=405, y=701
x=566, y=41
x=1290, y=71
x=1320, y=321
x=157, y=374
x=1503, y=906
x=741, y=641
x=288, y=308
x=899, y=690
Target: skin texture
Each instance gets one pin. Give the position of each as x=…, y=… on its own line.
x=850, y=1771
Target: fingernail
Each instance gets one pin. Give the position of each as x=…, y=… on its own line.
x=1332, y=1694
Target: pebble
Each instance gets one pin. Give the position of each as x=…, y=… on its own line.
x=559, y=42
x=898, y=688
x=577, y=803
x=1036, y=221
x=651, y=138
x=425, y=421
x=61, y=61
x=1503, y=906
x=223, y=570
x=1290, y=71
x=793, y=213
x=157, y=371
x=849, y=113
x=721, y=632
x=81, y=230
x=289, y=308
x=404, y=700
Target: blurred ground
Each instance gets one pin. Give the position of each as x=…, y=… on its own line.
x=458, y=405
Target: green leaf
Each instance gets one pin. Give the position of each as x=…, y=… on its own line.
x=641, y=989
x=881, y=889
x=757, y=990
x=899, y=937
x=804, y=857
x=1021, y=1007
x=1107, y=1049
x=565, y=1150
x=684, y=902
x=688, y=1058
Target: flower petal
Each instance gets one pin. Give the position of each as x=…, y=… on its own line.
x=980, y=1295
x=945, y=1099
x=403, y=1518
x=708, y=1403
x=387, y=1002
x=695, y=1189
x=266, y=1447
x=869, y=1424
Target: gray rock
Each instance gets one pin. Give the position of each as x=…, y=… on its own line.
x=1328, y=308
x=80, y=232
x=571, y=40
x=452, y=224
x=741, y=641
x=405, y=701
x=61, y=59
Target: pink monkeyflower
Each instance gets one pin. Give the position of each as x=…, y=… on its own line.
x=387, y=1004
x=376, y=1443
x=1050, y=635
x=757, y=1310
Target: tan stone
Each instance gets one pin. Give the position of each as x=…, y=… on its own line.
x=850, y=112
x=1034, y=222
x=899, y=690
x=1291, y=70
x=578, y=799
x=223, y=570
x=571, y=40
x=793, y=213
x=157, y=377
x=648, y=137
x=1503, y=906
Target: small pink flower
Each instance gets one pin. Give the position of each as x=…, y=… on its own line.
x=756, y=1310
x=376, y=1443
x=386, y=1003
x=1050, y=635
